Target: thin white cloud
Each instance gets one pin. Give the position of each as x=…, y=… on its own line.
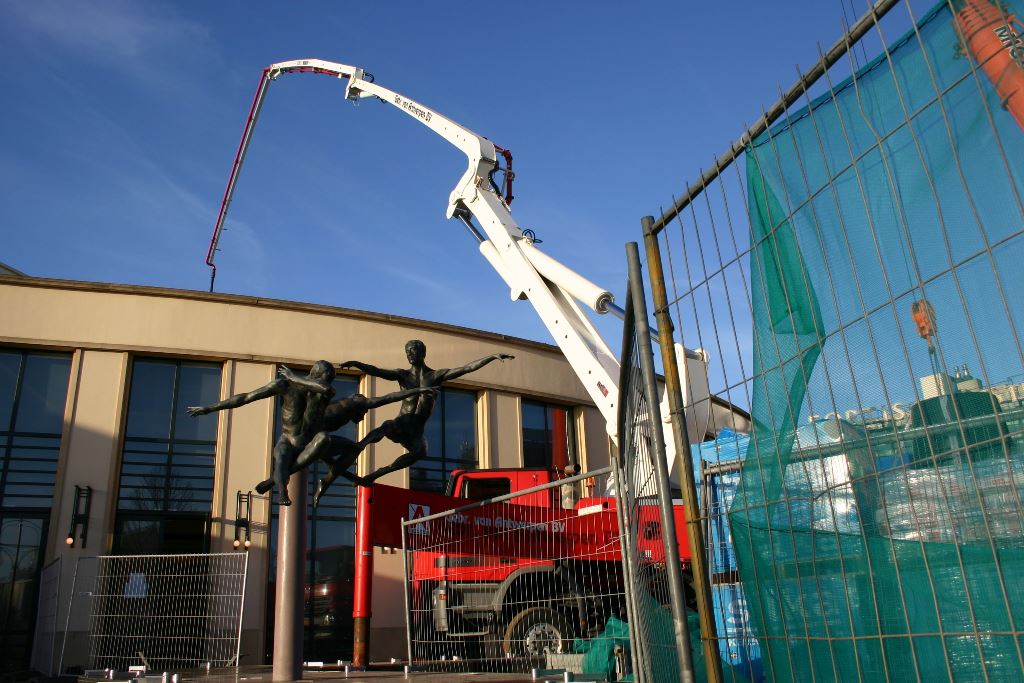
x=105, y=31
x=148, y=42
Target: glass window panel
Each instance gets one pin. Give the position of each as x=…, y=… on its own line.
x=159, y=473
x=187, y=449
x=204, y=459
x=27, y=489
x=344, y=387
x=427, y=480
x=536, y=437
x=185, y=534
x=138, y=536
x=132, y=447
x=460, y=425
x=128, y=481
x=136, y=458
x=20, y=440
x=44, y=392
x=28, y=477
x=143, y=468
x=434, y=431
x=482, y=489
x=22, y=465
x=451, y=440
x=28, y=501
x=152, y=394
x=548, y=435
x=10, y=368
x=33, y=453
x=199, y=385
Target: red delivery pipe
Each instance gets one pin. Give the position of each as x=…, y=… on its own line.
x=363, y=579
x=995, y=43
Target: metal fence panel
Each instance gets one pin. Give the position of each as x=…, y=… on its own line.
x=519, y=582
x=166, y=611
x=44, y=642
x=659, y=624
x=854, y=272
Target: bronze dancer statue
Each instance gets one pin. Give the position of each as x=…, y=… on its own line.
x=303, y=402
x=407, y=429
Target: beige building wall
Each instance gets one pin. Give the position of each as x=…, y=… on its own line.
x=105, y=326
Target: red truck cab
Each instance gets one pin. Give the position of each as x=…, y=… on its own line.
x=545, y=562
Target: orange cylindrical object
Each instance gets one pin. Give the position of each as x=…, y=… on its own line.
x=998, y=48
x=363, y=578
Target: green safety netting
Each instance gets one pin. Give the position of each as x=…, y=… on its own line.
x=878, y=522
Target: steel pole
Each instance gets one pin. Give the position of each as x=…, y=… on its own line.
x=673, y=569
x=408, y=578
x=620, y=474
x=363, y=579
x=681, y=436
x=291, y=580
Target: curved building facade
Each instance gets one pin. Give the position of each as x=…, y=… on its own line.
x=95, y=380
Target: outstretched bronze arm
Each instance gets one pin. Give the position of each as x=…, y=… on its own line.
x=266, y=391
x=379, y=401
x=392, y=375
x=475, y=365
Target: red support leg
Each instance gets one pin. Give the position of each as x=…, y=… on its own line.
x=363, y=579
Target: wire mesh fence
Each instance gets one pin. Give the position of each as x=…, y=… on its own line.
x=45, y=640
x=165, y=612
x=539, y=578
x=518, y=581
x=657, y=618
x=854, y=274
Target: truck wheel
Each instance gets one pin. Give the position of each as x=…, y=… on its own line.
x=537, y=631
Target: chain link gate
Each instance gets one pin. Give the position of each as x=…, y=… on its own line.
x=852, y=266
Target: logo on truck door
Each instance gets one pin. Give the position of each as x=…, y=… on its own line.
x=417, y=511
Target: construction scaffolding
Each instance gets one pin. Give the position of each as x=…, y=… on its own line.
x=852, y=266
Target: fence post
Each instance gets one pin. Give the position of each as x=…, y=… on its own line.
x=67, y=618
x=660, y=468
x=407, y=575
x=241, y=611
x=628, y=570
x=680, y=432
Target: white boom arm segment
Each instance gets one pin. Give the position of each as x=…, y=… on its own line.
x=550, y=286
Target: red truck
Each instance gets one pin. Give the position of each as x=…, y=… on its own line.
x=518, y=578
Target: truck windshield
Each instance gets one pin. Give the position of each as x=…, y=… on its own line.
x=482, y=489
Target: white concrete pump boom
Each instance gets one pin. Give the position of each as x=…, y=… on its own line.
x=551, y=288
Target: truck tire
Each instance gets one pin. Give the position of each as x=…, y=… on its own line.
x=536, y=631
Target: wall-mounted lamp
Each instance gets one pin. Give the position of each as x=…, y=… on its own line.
x=243, y=510
x=80, y=515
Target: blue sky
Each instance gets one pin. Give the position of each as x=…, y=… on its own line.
x=121, y=120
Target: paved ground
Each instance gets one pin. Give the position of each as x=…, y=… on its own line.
x=262, y=674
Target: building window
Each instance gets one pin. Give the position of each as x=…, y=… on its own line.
x=549, y=436
x=451, y=441
x=330, y=556
x=33, y=392
x=165, y=492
